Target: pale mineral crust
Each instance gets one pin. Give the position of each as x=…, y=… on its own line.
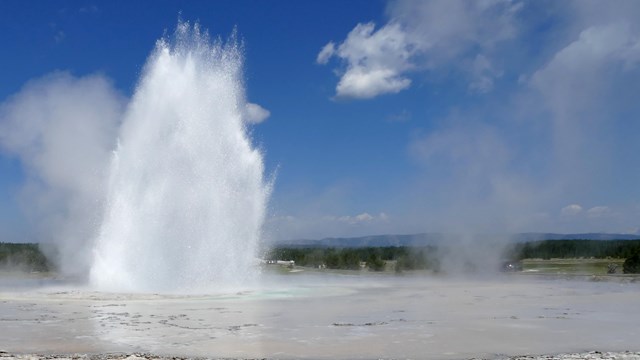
x=593, y=355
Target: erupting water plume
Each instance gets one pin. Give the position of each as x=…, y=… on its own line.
x=187, y=197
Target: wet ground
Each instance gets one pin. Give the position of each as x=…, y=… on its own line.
x=329, y=316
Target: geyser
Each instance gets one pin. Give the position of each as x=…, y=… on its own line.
x=187, y=196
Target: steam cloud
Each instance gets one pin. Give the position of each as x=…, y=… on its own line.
x=537, y=142
x=556, y=137
x=63, y=129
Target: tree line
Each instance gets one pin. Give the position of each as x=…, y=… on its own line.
x=29, y=257
x=426, y=258
x=375, y=258
x=23, y=257
x=599, y=249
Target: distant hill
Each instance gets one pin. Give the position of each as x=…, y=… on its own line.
x=432, y=239
x=523, y=237
x=373, y=240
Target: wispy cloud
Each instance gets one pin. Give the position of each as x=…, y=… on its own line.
x=89, y=9
x=483, y=74
x=360, y=218
x=326, y=53
x=314, y=226
x=400, y=117
x=599, y=212
x=571, y=210
x=59, y=36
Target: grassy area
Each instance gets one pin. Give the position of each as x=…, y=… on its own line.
x=571, y=266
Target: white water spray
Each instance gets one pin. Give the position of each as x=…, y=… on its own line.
x=186, y=198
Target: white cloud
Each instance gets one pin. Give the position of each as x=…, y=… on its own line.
x=365, y=84
x=364, y=217
x=420, y=36
x=570, y=210
x=376, y=61
x=255, y=114
x=360, y=218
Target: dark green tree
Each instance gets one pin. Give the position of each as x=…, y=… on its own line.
x=632, y=264
x=349, y=259
x=375, y=263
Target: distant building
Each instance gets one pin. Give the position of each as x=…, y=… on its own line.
x=510, y=266
x=285, y=263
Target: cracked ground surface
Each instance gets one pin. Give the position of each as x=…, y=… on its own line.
x=332, y=317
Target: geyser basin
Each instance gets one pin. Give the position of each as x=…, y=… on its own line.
x=186, y=198
x=332, y=316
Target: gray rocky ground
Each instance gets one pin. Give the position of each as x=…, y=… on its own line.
x=331, y=317
x=594, y=355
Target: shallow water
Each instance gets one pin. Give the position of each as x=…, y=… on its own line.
x=311, y=315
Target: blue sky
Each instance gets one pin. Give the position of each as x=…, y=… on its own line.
x=385, y=117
